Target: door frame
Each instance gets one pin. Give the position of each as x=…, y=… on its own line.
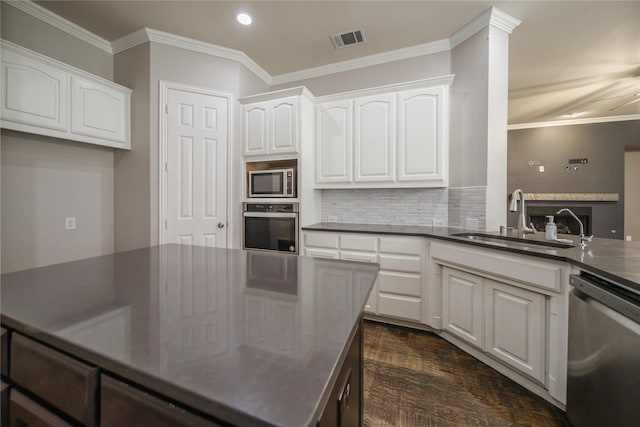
x=164, y=87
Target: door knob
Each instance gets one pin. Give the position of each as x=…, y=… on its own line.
x=221, y=225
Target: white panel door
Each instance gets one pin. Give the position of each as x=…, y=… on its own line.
x=34, y=93
x=515, y=328
x=421, y=132
x=334, y=142
x=284, y=125
x=462, y=308
x=98, y=111
x=374, y=138
x=256, y=129
x=197, y=138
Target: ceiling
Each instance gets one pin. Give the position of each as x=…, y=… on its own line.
x=565, y=56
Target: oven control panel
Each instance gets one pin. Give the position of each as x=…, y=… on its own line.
x=271, y=207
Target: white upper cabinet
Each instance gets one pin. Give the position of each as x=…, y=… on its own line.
x=272, y=127
x=284, y=126
x=334, y=142
x=256, y=129
x=422, y=135
x=374, y=138
x=399, y=137
x=35, y=93
x=47, y=97
x=98, y=111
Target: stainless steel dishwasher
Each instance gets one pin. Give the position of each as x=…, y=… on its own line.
x=603, y=377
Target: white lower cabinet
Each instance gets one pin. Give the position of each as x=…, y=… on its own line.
x=398, y=292
x=502, y=320
x=515, y=327
x=462, y=305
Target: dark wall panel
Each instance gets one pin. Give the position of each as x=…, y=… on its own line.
x=603, y=144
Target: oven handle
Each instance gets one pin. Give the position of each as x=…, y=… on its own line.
x=270, y=214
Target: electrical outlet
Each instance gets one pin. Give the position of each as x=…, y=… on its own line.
x=332, y=218
x=471, y=224
x=70, y=223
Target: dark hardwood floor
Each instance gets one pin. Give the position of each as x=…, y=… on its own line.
x=414, y=378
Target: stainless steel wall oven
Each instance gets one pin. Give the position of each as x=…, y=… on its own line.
x=270, y=227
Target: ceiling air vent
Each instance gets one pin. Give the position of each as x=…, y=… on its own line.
x=348, y=39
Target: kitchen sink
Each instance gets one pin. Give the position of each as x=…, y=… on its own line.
x=508, y=241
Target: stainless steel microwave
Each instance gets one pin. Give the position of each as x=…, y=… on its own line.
x=272, y=183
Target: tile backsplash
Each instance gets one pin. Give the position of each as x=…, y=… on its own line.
x=406, y=206
x=467, y=204
x=403, y=206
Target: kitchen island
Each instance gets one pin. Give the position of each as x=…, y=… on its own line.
x=187, y=335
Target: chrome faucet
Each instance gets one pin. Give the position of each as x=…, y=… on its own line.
x=523, y=229
x=583, y=238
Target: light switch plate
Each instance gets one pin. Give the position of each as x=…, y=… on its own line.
x=70, y=223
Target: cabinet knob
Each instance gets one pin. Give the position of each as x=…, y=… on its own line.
x=221, y=225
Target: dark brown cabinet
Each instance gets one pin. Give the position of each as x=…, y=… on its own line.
x=122, y=404
x=344, y=408
x=63, y=382
x=24, y=412
x=4, y=352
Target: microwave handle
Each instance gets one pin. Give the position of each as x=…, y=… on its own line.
x=270, y=214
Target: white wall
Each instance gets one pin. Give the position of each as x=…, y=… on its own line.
x=44, y=179
x=131, y=168
x=422, y=67
x=632, y=195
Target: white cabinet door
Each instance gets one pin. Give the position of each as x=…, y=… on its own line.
x=334, y=142
x=98, y=111
x=515, y=328
x=256, y=129
x=374, y=138
x=283, y=121
x=422, y=135
x=462, y=305
x=34, y=93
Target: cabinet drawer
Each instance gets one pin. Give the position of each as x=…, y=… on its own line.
x=400, y=283
x=402, y=245
x=321, y=240
x=321, y=253
x=4, y=403
x=358, y=256
x=24, y=412
x=122, y=404
x=58, y=379
x=354, y=242
x=411, y=264
x=399, y=306
x=4, y=352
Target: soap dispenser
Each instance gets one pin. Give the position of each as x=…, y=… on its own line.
x=550, y=229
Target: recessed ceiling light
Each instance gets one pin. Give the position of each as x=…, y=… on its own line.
x=244, y=18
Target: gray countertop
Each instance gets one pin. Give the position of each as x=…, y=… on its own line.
x=247, y=337
x=616, y=260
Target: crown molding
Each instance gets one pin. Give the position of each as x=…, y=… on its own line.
x=366, y=61
x=585, y=121
x=145, y=35
x=130, y=40
x=491, y=17
x=45, y=15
